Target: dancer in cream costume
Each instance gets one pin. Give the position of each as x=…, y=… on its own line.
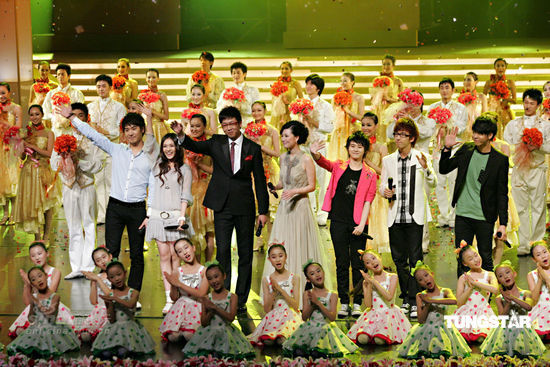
x=79, y=197
x=105, y=116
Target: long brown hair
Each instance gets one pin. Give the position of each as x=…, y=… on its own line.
x=164, y=162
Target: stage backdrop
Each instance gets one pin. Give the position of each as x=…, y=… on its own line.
x=351, y=23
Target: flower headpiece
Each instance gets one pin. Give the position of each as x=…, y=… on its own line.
x=420, y=265
x=212, y=263
x=308, y=263
x=460, y=247
x=366, y=250
x=538, y=243
x=277, y=244
x=507, y=263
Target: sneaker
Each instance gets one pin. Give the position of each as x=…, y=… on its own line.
x=356, y=312
x=138, y=305
x=413, y=313
x=167, y=307
x=73, y=275
x=405, y=308
x=344, y=311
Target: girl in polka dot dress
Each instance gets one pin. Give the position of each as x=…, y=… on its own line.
x=217, y=336
x=281, y=302
x=99, y=285
x=122, y=336
x=473, y=291
x=539, y=283
x=520, y=341
x=188, y=283
x=382, y=322
x=431, y=337
x=318, y=336
x=44, y=337
x=39, y=256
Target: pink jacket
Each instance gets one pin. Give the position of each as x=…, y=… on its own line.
x=366, y=188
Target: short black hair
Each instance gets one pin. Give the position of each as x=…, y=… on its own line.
x=35, y=106
x=359, y=138
x=370, y=115
x=132, y=119
x=6, y=84
x=215, y=265
x=114, y=263
x=239, y=65
x=389, y=57
x=199, y=116
x=448, y=81
x=100, y=248
x=39, y=244
x=533, y=94
x=105, y=78
x=317, y=81
x=207, y=56
x=65, y=67
x=80, y=106
x=408, y=125
x=154, y=70
x=298, y=129
x=230, y=112
x=485, y=125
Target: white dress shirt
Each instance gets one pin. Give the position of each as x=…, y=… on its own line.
x=237, y=157
x=460, y=114
x=324, y=114
x=252, y=94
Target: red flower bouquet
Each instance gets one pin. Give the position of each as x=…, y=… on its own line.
x=189, y=112
x=234, y=94
x=64, y=144
x=118, y=82
x=523, y=156
x=60, y=98
x=440, y=115
x=381, y=82
x=546, y=104
x=148, y=96
x=467, y=98
x=500, y=89
x=10, y=133
x=41, y=87
x=411, y=97
x=342, y=98
x=301, y=106
x=278, y=88
x=255, y=130
x=200, y=77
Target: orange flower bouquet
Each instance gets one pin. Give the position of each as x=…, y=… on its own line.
x=60, y=99
x=531, y=139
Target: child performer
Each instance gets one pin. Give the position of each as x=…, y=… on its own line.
x=281, y=301
x=539, y=281
x=472, y=292
x=217, y=335
x=44, y=337
x=519, y=341
x=382, y=322
x=188, y=283
x=318, y=336
x=430, y=337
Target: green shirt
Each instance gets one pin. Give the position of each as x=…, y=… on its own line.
x=469, y=200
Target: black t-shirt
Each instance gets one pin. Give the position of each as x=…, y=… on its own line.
x=344, y=197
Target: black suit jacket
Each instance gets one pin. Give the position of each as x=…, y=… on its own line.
x=494, y=180
x=228, y=191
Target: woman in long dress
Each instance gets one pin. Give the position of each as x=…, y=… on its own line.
x=294, y=224
x=160, y=107
x=198, y=102
x=477, y=104
x=42, y=85
x=280, y=114
x=497, y=103
x=130, y=89
x=347, y=119
x=10, y=115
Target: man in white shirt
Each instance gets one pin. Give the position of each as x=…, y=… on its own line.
x=59, y=124
x=215, y=85
x=105, y=115
x=320, y=124
x=79, y=197
x=529, y=180
x=252, y=94
x=446, y=183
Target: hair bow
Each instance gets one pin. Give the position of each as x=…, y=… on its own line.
x=507, y=263
x=420, y=265
x=277, y=243
x=460, y=247
x=211, y=263
x=307, y=263
x=537, y=243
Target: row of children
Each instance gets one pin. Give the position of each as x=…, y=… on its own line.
x=204, y=320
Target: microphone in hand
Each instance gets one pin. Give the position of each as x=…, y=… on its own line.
x=390, y=187
x=272, y=188
x=499, y=236
x=259, y=230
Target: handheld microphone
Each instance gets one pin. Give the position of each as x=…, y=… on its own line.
x=390, y=186
x=272, y=187
x=499, y=234
x=259, y=230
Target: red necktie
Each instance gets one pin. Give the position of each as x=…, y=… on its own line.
x=232, y=155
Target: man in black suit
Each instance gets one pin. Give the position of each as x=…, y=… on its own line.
x=481, y=189
x=229, y=194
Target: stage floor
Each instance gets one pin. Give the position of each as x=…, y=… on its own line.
x=75, y=293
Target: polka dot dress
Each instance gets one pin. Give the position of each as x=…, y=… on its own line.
x=124, y=332
x=220, y=338
x=540, y=314
x=384, y=320
x=476, y=305
x=520, y=341
x=185, y=314
x=281, y=321
x=432, y=338
x=318, y=335
x=98, y=317
x=45, y=336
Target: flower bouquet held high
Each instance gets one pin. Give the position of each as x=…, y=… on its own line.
x=278, y=89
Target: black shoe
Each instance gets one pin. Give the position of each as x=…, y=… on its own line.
x=241, y=310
